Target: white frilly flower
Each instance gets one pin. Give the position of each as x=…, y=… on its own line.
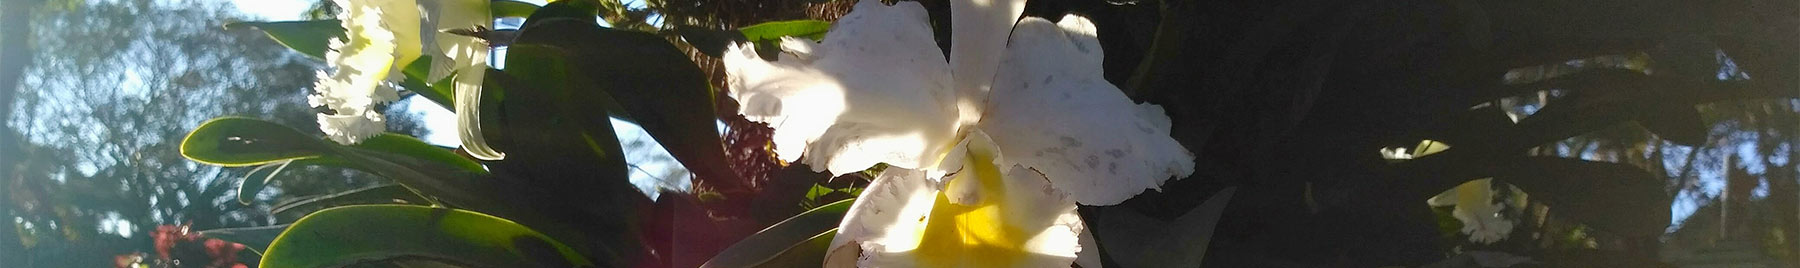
x=990, y=150
x=363, y=62
x=1475, y=208
x=382, y=37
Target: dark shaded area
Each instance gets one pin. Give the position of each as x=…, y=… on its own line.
x=1291, y=100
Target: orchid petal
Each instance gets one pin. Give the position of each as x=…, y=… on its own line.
x=351, y=128
x=875, y=90
x=1053, y=111
x=363, y=62
x=979, y=37
x=1016, y=219
x=891, y=211
x=466, y=57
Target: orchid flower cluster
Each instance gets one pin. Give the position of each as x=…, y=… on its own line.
x=381, y=38
x=989, y=149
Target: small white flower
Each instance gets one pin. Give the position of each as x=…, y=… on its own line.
x=1019, y=117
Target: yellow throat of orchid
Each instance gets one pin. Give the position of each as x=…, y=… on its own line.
x=976, y=234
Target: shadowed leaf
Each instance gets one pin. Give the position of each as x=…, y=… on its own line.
x=352, y=234
x=788, y=236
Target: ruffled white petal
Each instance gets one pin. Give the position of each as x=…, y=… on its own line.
x=377, y=34
x=1058, y=243
x=979, y=37
x=889, y=215
x=352, y=128
x=1014, y=219
x=875, y=90
x=1053, y=111
x=1089, y=257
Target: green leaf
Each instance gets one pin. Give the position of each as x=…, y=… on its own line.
x=258, y=179
x=256, y=238
x=764, y=36
x=352, y=234
x=509, y=8
x=239, y=141
x=577, y=10
x=796, y=233
x=660, y=89
x=418, y=75
x=379, y=194
x=308, y=37
x=809, y=253
x=1677, y=122
x=558, y=137
x=409, y=146
x=768, y=31
x=549, y=108
x=1610, y=197
x=534, y=191
x=1135, y=240
x=433, y=171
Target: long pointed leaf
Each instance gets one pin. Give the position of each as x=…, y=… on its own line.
x=256, y=238
x=239, y=141
x=308, y=37
x=806, y=254
x=789, y=234
x=347, y=235
x=1610, y=197
x=810, y=29
x=257, y=180
x=380, y=194
x=509, y=8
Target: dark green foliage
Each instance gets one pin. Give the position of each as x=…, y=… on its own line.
x=661, y=90
x=1291, y=99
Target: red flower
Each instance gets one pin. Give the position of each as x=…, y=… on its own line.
x=178, y=242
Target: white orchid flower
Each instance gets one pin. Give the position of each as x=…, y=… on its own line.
x=1475, y=208
x=363, y=63
x=1019, y=117
x=382, y=37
